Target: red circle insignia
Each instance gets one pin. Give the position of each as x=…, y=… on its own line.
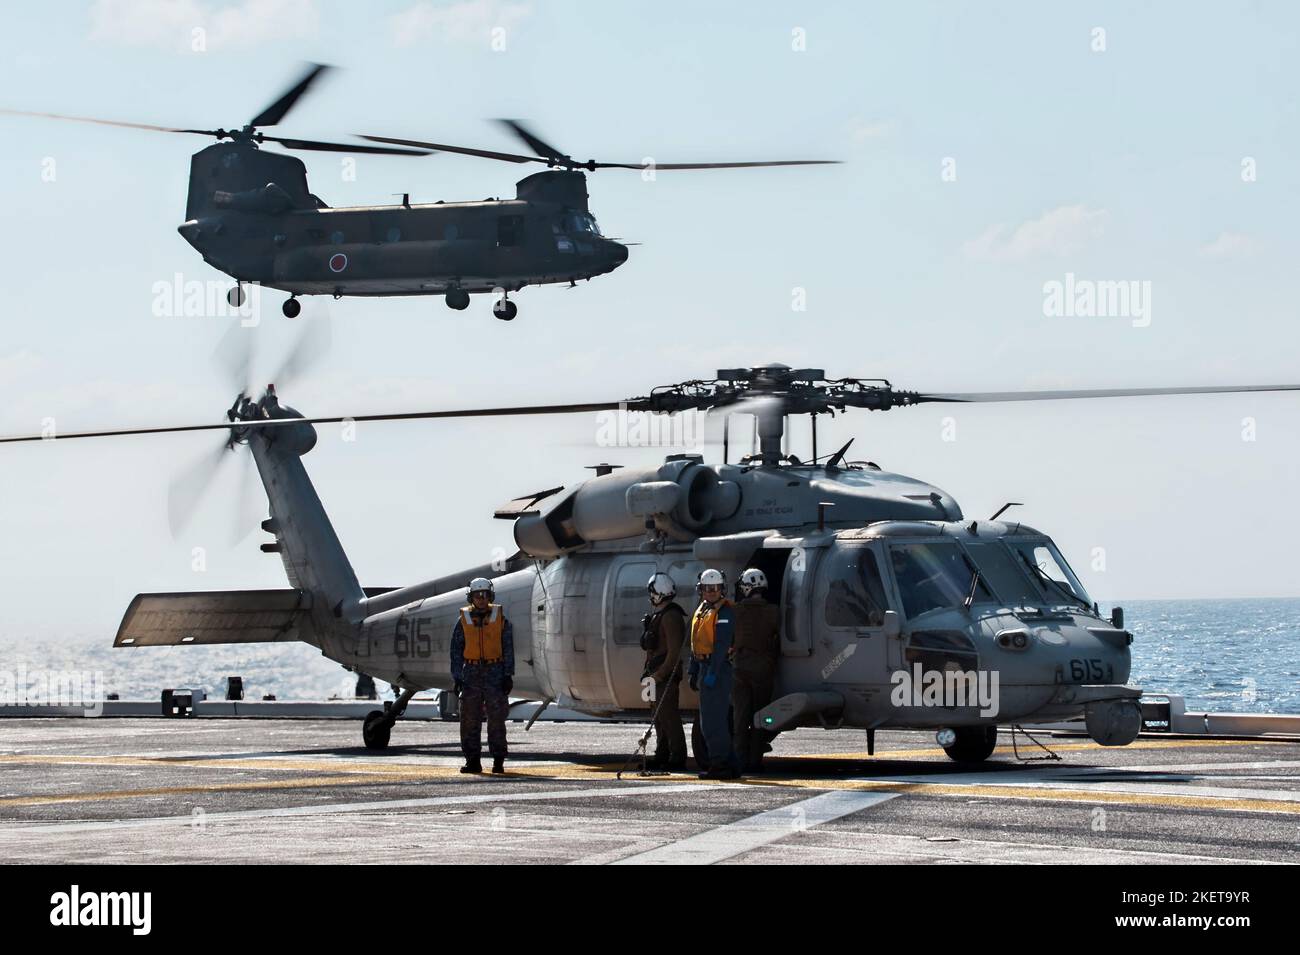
x=338, y=262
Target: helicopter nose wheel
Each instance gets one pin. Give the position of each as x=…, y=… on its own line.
x=458, y=299
x=505, y=310
x=236, y=296
x=291, y=308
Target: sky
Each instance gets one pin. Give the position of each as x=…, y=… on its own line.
x=989, y=151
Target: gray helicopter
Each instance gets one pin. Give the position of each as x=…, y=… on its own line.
x=899, y=610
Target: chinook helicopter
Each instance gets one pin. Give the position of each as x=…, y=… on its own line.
x=877, y=574
x=251, y=214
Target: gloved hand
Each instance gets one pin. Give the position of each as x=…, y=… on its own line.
x=710, y=679
x=458, y=687
x=695, y=682
x=507, y=684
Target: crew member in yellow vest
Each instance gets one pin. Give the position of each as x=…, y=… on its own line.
x=483, y=666
x=711, y=636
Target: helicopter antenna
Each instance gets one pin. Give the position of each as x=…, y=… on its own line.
x=838, y=456
x=1003, y=508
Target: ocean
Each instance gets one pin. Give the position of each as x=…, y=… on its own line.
x=1221, y=655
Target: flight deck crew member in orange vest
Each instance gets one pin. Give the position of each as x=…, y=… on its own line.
x=711, y=636
x=483, y=666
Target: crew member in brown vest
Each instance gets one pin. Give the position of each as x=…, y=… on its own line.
x=753, y=658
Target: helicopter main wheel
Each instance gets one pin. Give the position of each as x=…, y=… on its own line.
x=291, y=308
x=376, y=730
x=970, y=744
x=236, y=296
x=458, y=299
x=505, y=310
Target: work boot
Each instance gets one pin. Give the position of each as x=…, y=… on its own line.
x=499, y=765
x=472, y=765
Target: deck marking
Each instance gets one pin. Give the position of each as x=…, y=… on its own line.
x=744, y=835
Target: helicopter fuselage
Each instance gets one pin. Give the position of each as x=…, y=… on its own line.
x=251, y=216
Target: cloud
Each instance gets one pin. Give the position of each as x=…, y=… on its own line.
x=181, y=24
x=461, y=21
x=1229, y=245
x=1058, y=232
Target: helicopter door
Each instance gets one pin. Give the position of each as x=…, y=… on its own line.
x=626, y=604
x=797, y=624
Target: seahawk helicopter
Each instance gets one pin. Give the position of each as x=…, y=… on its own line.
x=251, y=214
x=877, y=574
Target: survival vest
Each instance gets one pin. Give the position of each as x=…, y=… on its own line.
x=703, y=627
x=483, y=641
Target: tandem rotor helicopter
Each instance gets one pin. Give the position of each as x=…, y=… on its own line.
x=876, y=573
x=251, y=214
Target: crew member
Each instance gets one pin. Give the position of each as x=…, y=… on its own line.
x=483, y=666
x=711, y=636
x=665, y=632
x=753, y=660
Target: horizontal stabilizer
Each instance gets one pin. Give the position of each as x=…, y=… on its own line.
x=219, y=616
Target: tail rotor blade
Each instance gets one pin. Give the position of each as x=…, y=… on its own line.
x=250, y=502
x=313, y=344
x=189, y=487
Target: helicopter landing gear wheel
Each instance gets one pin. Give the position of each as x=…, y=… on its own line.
x=291, y=308
x=505, y=310
x=458, y=299
x=970, y=744
x=699, y=748
x=376, y=730
x=236, y=296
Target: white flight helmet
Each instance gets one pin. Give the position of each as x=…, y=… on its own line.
x=710, y=578
x=751, y=580
x=661, y=587
x=480, y=584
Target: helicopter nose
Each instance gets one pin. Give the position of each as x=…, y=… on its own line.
x=618, y=253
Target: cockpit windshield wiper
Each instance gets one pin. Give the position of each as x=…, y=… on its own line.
x=974, y=584
x=1059, y=587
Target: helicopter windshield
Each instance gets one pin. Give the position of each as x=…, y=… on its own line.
x=1050, y=572
x=1005, y=573
x=933, y=576
x=577, y=223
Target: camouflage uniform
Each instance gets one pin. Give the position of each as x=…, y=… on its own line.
x=482, y=687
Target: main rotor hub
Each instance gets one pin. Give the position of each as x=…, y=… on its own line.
x=771, y=392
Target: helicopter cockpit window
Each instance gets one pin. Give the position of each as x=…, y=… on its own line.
x=1004, y=573
x=576, y=223
x=932, y=576
x=855, y=596
x=1050, y=571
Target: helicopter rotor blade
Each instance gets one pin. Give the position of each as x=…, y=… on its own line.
x=991, y=396
x=332, y=419
x=534, y=142
x=250, y=502
x=312, y=345
x=318, y=146
x=190, y=486
x=715, y=165
x=277, y=110
x=551, y=156
x=463, y=150
x=112, y=122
